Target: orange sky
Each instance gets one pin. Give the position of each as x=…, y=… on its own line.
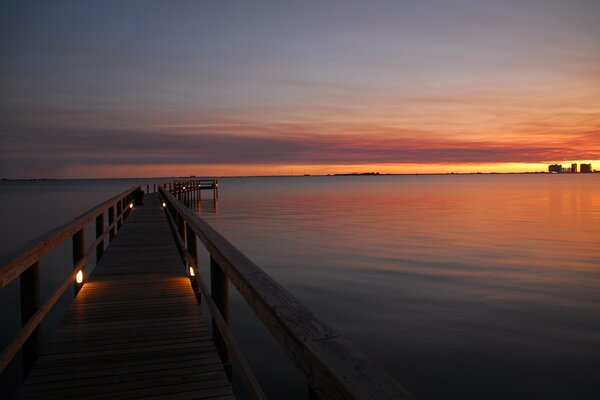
x=204, y=89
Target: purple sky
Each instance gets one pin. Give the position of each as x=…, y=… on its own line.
x=107, y=84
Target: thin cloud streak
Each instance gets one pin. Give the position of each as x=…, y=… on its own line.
x=69, y=148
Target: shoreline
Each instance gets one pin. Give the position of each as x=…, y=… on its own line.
x=353, y=174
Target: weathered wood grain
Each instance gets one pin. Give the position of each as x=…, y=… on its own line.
x=332, y=366
x=135, y=329
x=14, y=263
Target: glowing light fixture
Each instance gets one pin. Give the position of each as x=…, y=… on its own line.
x=164, y=204
x=79, y=277
x=130, y=205
x=184, y=188
x=192, y=273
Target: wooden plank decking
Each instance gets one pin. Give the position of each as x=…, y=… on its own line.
x=135, y=329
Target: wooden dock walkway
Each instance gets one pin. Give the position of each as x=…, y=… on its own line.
x=135, y=328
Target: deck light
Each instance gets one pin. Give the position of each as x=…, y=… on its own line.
x=79, y=277
x=130, y=205
x=184, y=188
x=164, y=204
x=192, y=273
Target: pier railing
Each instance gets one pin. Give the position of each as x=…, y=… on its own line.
x=187, y=186
x=333, y=368
x=25, y=264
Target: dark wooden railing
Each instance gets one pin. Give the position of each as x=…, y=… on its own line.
x=25, y=264
x=185, y=187
x=333, y=368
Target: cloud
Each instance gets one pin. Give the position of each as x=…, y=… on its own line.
x=57, y=150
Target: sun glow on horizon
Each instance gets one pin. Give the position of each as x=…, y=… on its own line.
x=405, y=87
x=217, y=170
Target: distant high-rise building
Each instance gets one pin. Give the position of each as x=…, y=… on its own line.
x=555, y=168
x=573, y=168
x=585, y=168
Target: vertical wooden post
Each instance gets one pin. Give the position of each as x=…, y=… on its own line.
x=219, y=291
x=99, y=232
x=30, y=303
x=148, y=188
x=78, y=253
x=126, y=202
x=192, y=248
x=119, y=219
x=312, y=395
x=181, y=227
x=111, y=220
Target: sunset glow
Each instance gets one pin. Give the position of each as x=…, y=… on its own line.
x=207, y=89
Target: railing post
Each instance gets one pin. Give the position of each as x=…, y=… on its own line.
x=312, y=394
x=181, y=227
x=119, y=219
x=111, y=220
x=78, y=253
x=30, y=303
x=99, y=232
x=126, y=202
x=219, y=291
x=192, y=248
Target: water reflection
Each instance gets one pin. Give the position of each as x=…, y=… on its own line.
x=203, y=206
x=459, y=287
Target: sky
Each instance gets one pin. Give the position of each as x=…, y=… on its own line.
x=216, y=88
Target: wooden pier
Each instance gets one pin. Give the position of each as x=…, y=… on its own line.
x=135, y=328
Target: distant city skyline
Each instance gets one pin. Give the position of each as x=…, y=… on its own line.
x=559, y=169
x=137, y=89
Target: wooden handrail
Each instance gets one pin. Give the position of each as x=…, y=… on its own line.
x=14, y=263
x=11, y=350
x=177, y=185
x=333, y=368
x=29, y=255
x=250, y=380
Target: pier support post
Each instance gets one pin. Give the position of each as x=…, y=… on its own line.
x=99, y=232
x=192, y=248
x=30, y=303
x=119, y=219
x=181, y=227
x=126, y=202
x=111, y=220
x=219, y=291
x=78, y=253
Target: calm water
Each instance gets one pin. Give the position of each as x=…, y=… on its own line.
x=479, y=286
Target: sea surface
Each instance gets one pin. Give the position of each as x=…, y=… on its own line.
x=458, y=286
